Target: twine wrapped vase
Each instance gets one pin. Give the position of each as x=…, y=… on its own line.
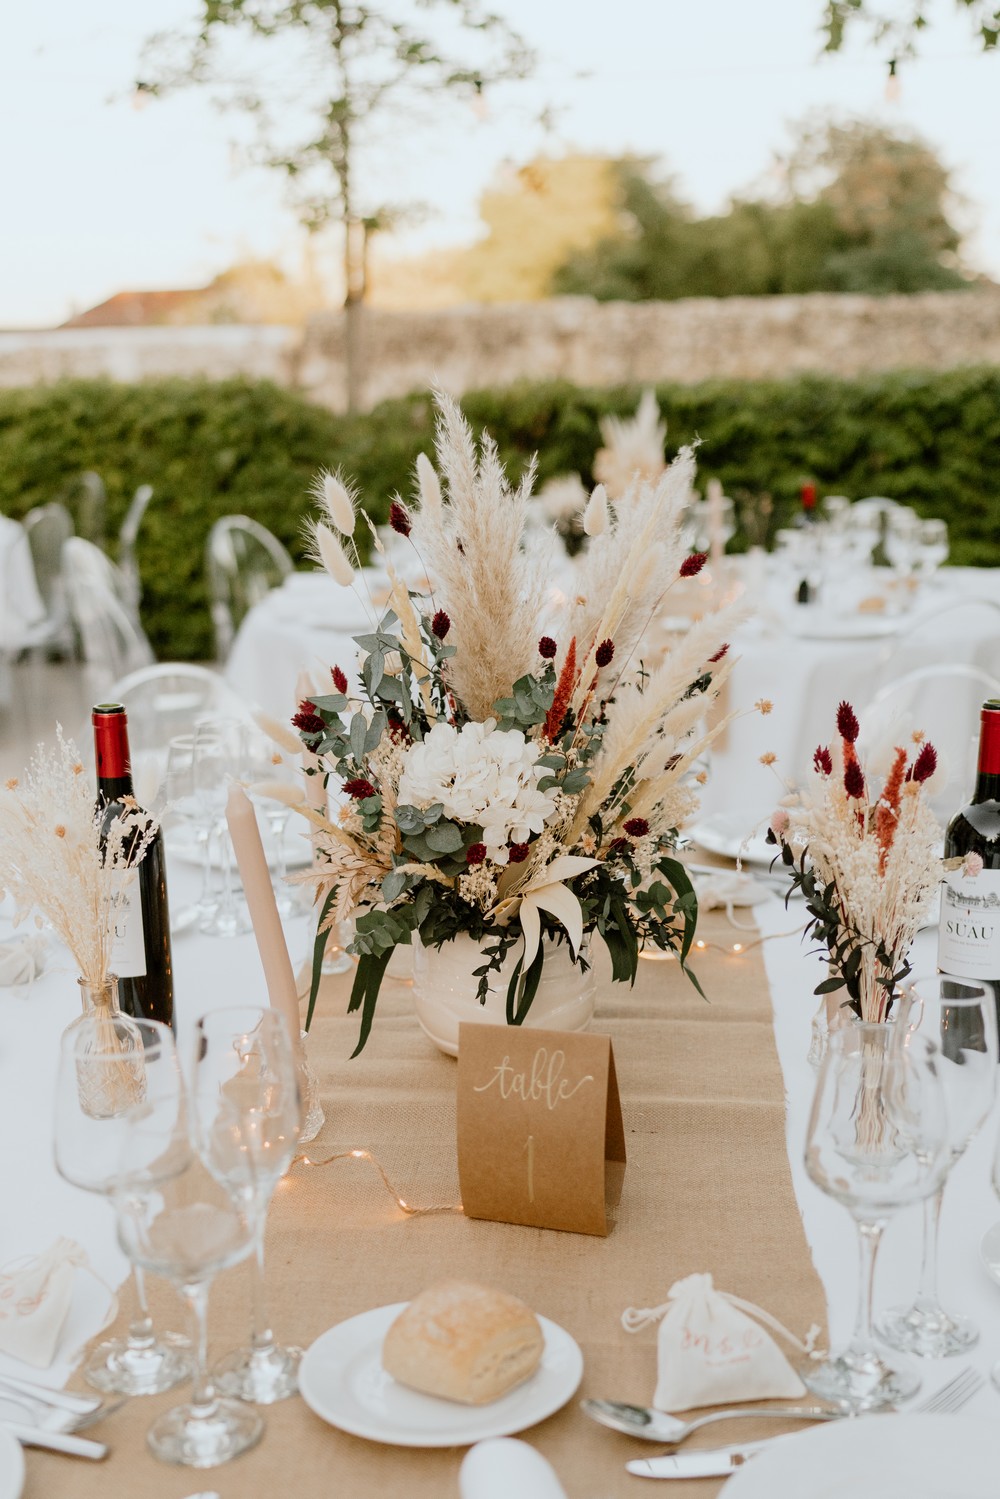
x=445, y=990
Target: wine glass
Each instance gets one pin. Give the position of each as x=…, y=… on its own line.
x=932, y=547
x=245, y=1062
x=121, y=1066
x=176, y=1219
x=960, y=1016
x=182, y=799
x=218, y=760
x=259, y=768
x=877, y=1141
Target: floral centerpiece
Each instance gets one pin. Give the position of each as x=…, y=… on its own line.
x=860, y=843
x=511, y=770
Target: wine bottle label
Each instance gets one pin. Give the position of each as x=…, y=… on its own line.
x=128, y=939
x=969, y=935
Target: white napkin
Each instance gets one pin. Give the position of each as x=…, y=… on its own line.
x=22, y=959
x=35, y=1295
x=728, y=888
x=503, y=1468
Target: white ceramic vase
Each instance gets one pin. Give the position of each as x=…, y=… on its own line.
x=444, y=990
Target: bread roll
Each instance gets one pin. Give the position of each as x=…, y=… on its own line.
x=463, y=1342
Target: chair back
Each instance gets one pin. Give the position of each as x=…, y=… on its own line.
x=112, y=640
x=163, y=701
x=128, y=534
x=244, y=562
x=48, y=528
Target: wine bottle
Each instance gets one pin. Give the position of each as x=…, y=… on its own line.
x=969, y=935
x=141, y=955
x=805, y=593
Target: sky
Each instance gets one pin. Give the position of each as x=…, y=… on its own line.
x=97, y=196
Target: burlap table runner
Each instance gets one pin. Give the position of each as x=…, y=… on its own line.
x=707, y=1189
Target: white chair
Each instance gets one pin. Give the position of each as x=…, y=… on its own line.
x=48, y=528
x=944, y=701
x=128, y=534
x=244, y=562
x=163, y=701
x=112, y=640
x=86, y=498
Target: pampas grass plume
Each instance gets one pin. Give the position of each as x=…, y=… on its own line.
x=429, y=483
x=333, y=556
x=336, y=500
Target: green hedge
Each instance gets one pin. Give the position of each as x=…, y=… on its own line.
x=215, y=448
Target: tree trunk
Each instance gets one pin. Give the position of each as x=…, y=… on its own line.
x=354, y=291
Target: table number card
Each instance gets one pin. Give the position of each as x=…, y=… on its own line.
x=540, y=1135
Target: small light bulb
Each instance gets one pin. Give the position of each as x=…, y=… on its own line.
x=700, y=944
x=737, y=947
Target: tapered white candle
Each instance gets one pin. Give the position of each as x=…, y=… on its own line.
x=267, y=929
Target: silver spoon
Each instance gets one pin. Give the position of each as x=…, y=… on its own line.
x=657, y=1426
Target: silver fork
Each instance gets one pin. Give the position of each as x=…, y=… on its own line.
x=953, y=1395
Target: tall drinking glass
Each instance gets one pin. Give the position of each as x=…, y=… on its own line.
x=245, y=1063
x=218, y=760
x=960, y=1016
x=877, y=1141
x=177, y=1220
x=183, y=801
x=120, y=1071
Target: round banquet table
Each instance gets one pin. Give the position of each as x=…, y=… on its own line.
x=392, y=1098
x=802, y=660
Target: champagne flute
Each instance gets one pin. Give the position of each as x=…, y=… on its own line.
x=177, y=1220
x=121, y=1071
x=245, y=1062
x=960, y=1016
x=877, y=1141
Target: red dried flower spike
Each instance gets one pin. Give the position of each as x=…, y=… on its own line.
x=847, y=723
x=398, y=732
x=618, y=846
x=604, y=655
x=440, y=624
x=475, y=853
x=854, y=780
x=339, y=679
x=637, y=827
x=823, y=760
x=307, y=719
x=547, y=648
x=692, y=566
x=359, y=789
x=399, y=518
x=925, y=764
x=517, y=853
x=556, y=716
x=719, y=654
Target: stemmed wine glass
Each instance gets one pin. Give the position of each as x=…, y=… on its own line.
x=259, y=767
x=960, y=1016
x=877, y=1141
x=245, y=1063
x=183, y=800
x=103, y=1073
x=177, y=1220
x=218, y=760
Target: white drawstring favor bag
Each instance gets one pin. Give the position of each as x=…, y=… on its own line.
x=713, y=1350
x=35, y=1296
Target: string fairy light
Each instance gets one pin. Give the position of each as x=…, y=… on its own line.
x=357, y=1154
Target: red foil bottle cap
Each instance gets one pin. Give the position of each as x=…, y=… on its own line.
x=111, y=750
x=808, y=495
x=989, y=738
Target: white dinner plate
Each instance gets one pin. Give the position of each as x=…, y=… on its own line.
x=11, y=1466
x=877, y=1457
x=989, y=1252
x=724, y=833
x=818, y=625
x=341, y=1378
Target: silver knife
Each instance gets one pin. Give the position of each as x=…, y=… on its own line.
x=716, y=1462
x=56, y=1441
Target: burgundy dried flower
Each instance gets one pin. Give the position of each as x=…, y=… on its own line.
x=925, y=764
x=517, y=853
x=339, y=679
x=618, y=846
x=547, y=648
x=823, y=760
x=604, y=655
x=854, y=780
x=398, y=732
x=692, y=566
x=475, y=853
x=307, y=719
x=359, y=789
x=719, y=654
x=440, y=624
x=399, y=518
x=637, y=827
x=847, y=723
x=556, y=716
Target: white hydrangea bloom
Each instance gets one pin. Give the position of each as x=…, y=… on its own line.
x=480, y=775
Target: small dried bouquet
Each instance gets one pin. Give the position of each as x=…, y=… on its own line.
x=862, y=847
x=511, y=769
x=59, y=861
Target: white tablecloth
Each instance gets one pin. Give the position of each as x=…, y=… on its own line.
x=39, y=1206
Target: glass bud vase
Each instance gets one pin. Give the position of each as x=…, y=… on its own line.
x=106, y=1089
x=313, y=1117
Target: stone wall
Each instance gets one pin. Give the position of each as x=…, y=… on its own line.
x=586, y=342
